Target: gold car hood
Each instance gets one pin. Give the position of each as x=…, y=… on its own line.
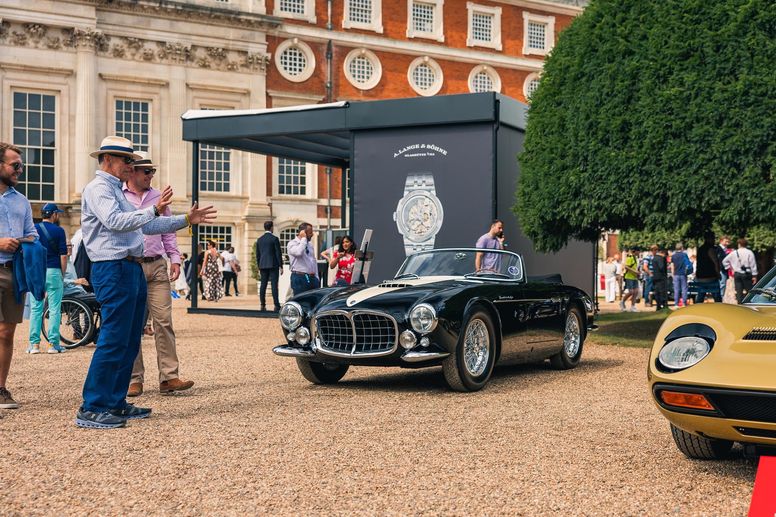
x=734, y=362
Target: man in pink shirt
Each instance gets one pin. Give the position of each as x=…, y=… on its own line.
x=140, y=194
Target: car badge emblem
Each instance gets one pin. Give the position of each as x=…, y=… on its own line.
x=513, y=270
x=351, y=302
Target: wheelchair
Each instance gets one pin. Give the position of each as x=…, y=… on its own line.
x=80, y=324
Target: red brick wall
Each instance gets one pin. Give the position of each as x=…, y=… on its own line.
x=394, y=82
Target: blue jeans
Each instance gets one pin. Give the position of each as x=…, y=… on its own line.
x=54, y=289
x=708, y=287
x=723, y=278
x=680, y=289
x=302, y=283
x=120, y=287
x=647, y=290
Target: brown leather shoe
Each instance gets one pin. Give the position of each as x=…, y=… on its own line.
x=135, y=389
x=175, y=385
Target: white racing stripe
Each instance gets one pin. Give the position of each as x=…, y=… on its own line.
x=394, y=285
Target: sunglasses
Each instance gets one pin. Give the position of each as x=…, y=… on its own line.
x=149, y=172
x=16, y=166
x=127, y=159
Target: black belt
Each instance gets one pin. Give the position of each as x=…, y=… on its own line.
x=137, y=260
x=300, y=273
x=7, y=265
x=151, y=259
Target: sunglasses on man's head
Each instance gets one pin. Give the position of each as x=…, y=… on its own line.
x=16, y=166
x=127, y=159
x=149, y=172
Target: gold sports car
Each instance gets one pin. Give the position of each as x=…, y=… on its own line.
x=712, y=373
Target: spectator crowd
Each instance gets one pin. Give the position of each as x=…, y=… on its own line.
x=657, y=275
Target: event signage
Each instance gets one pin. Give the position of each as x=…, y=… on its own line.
x=422, y=188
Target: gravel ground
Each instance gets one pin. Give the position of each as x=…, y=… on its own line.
x=254, y=437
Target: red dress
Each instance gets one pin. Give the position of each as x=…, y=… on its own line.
x=345, y=263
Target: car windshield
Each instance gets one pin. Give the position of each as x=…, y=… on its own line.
x=764, y=293
x=461, y=262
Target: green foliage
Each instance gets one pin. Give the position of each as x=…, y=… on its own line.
x=254, y=266
x=761, y=238
x=654, y=115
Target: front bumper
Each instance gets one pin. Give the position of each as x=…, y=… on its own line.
x=739, y=415
x=408, y=358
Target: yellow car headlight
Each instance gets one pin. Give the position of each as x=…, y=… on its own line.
x=683, y=352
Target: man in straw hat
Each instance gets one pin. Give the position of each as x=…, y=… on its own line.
x=139, y=192
x=113, y=235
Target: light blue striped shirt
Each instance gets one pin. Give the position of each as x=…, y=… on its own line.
x=15, y=219
x=112, y=227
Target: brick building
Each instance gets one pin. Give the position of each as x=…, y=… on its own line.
x=72, y=71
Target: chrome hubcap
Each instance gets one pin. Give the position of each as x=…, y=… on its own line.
x=476, y=347
x=571, y=339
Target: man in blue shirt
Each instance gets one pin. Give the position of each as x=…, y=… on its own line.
x=15, y=224
x=53, y=238
x=113, y=236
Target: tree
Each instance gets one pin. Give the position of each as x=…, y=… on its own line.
x=653, y=115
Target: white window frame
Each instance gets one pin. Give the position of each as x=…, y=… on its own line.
x=288, y=230
x=530, y=77
x=375, y=25
x=204, y=233
x=150, y=124
x=311, y=171
x=308, y=15
x=438, y=76
x=438, y=34
x=376, y=66
x=494, y=76
x=549, y=33
x=119, y=88
x=495, y=12
x=308, y=54
x=56, y=150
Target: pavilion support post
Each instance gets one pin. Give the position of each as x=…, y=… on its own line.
x=195, y=228
x=344, y=192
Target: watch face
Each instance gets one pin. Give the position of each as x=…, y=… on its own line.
x=420, y=217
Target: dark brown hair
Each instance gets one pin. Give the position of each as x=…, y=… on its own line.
x=6, y=147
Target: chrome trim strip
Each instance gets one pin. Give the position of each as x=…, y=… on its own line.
x=321, y=346
x=290, y=351
x=419, y=357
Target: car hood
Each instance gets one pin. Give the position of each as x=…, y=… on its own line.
x=391, y=295
x=744, y=354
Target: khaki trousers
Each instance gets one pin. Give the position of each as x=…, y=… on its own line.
x=160, y=312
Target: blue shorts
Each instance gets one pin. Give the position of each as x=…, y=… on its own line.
x=631, y=284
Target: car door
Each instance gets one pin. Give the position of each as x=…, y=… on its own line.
x=544, y=322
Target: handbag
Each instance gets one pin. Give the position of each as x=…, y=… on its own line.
x=236, y=266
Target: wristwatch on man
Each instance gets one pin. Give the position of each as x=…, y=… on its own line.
x=419, y=213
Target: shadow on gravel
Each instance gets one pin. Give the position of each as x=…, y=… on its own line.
x=431, y=379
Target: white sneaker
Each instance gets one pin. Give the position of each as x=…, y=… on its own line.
x=633, y=309
x=622, y=306
x=33, y=349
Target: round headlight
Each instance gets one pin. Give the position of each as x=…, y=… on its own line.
x=302, y=336
x=683, y=352
x=423, y=318
x=407, y=339
x=291, y=316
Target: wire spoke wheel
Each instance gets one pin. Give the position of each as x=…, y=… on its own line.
x=572, y=336
x=476, y=347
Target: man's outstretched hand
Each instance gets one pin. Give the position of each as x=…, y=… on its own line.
x=202, y=215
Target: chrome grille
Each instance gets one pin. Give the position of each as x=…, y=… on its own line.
x=355, y=333
x=336, y=332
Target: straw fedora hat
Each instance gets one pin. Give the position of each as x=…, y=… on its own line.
x=116, y=145
x=144, y=160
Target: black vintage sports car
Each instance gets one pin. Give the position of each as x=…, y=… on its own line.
x=439, y=309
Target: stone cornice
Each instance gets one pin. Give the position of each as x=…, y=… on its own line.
x=38, y=36
x=182, y=10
